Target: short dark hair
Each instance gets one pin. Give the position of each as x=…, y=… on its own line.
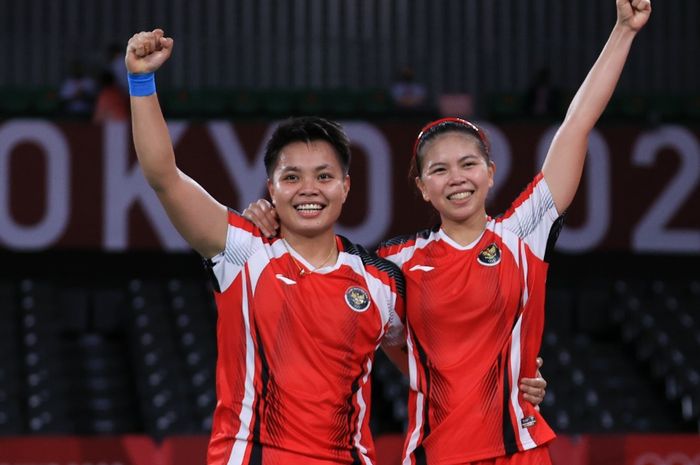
x=307, y=129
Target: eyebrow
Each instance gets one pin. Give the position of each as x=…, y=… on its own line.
x=459, y=160
x=325, y=166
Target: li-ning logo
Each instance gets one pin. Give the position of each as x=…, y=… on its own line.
x=422, y=268
x=285, y=279
x=490, y=256
x=357, y=299
x=528, y=422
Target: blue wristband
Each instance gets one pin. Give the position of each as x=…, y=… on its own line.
x=142, y=85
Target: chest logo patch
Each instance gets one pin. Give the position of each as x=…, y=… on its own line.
x=490, y=256
x=357, y=299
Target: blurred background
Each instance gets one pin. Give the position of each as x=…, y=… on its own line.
x=107, y=323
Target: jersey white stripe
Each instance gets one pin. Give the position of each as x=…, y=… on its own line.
x=415, y=434
x=532, y=220
x=523, y=261
x=261, y=259
x=361, y=417
x=523, y=434
x=399, y=259
x=246, y=414
x=240, y=244
x=413, y=379
x=510, y=240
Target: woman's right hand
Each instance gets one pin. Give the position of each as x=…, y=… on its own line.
x=147, y=51
x=263, y=215
x=633, y=13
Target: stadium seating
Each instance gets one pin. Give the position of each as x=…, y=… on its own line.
x=125, y=353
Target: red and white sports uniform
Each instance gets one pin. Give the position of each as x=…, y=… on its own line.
x=475, y=317
x=295, y=351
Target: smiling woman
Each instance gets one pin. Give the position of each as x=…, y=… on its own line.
x=476, y=283
x=454, y=172
x=300, y=315
x=308, y=186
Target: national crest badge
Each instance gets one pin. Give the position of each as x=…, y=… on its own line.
x=357, y=299
x=490, y=255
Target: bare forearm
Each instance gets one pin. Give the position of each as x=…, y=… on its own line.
x=201, y=220
x=152, y=141
x=597, y=89
x=563, y=166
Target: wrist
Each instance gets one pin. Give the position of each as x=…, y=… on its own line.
x=624, y=30
x=142, y=85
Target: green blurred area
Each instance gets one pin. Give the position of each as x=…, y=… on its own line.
x=347, y=103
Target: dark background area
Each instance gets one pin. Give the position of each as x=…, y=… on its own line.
x=97, y=342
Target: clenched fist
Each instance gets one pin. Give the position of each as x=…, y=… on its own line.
x=147, y=51
x=633, y=13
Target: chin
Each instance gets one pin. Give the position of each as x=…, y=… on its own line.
x=309, y=227
x=309, y=230
x=459, y=217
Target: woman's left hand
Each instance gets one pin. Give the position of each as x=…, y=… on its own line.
x=534, y=389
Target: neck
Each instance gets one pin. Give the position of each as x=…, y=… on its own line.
x=319, y=250
x=467, y=231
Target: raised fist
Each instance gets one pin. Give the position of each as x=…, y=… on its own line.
x=147, y=51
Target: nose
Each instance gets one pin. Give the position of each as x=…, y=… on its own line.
x=456, y=178
x=309, y=186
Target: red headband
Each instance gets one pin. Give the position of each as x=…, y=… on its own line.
x=459, y=121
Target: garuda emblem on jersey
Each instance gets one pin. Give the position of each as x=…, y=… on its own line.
x=490, y=256
x=357, y=299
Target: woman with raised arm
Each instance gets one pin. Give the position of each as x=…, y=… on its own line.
x=299, y=316
x=475, y=285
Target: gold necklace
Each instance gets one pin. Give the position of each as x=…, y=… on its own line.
x=302, y=270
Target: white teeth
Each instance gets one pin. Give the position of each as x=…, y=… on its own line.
x=309, y=206
x=459, y=195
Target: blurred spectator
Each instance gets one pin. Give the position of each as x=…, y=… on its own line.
x=115, y=64
x=406, y=92
x=542, y=99
x=78, y=92
x=112, y=102
x=459, y=105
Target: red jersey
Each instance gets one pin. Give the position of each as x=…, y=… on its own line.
x=295, y=350
x=475, y=316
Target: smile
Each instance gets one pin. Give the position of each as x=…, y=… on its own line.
x=460, y=195
x=309, y=207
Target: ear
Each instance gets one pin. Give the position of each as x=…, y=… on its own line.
x=346, y=187
x=421, y=187
x=271, y=191
x=492, y=172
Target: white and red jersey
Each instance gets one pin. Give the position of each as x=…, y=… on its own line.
x=295, y=351
x=475, y=316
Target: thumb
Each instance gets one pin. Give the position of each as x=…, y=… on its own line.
x=167, y=43
x=166, y=46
